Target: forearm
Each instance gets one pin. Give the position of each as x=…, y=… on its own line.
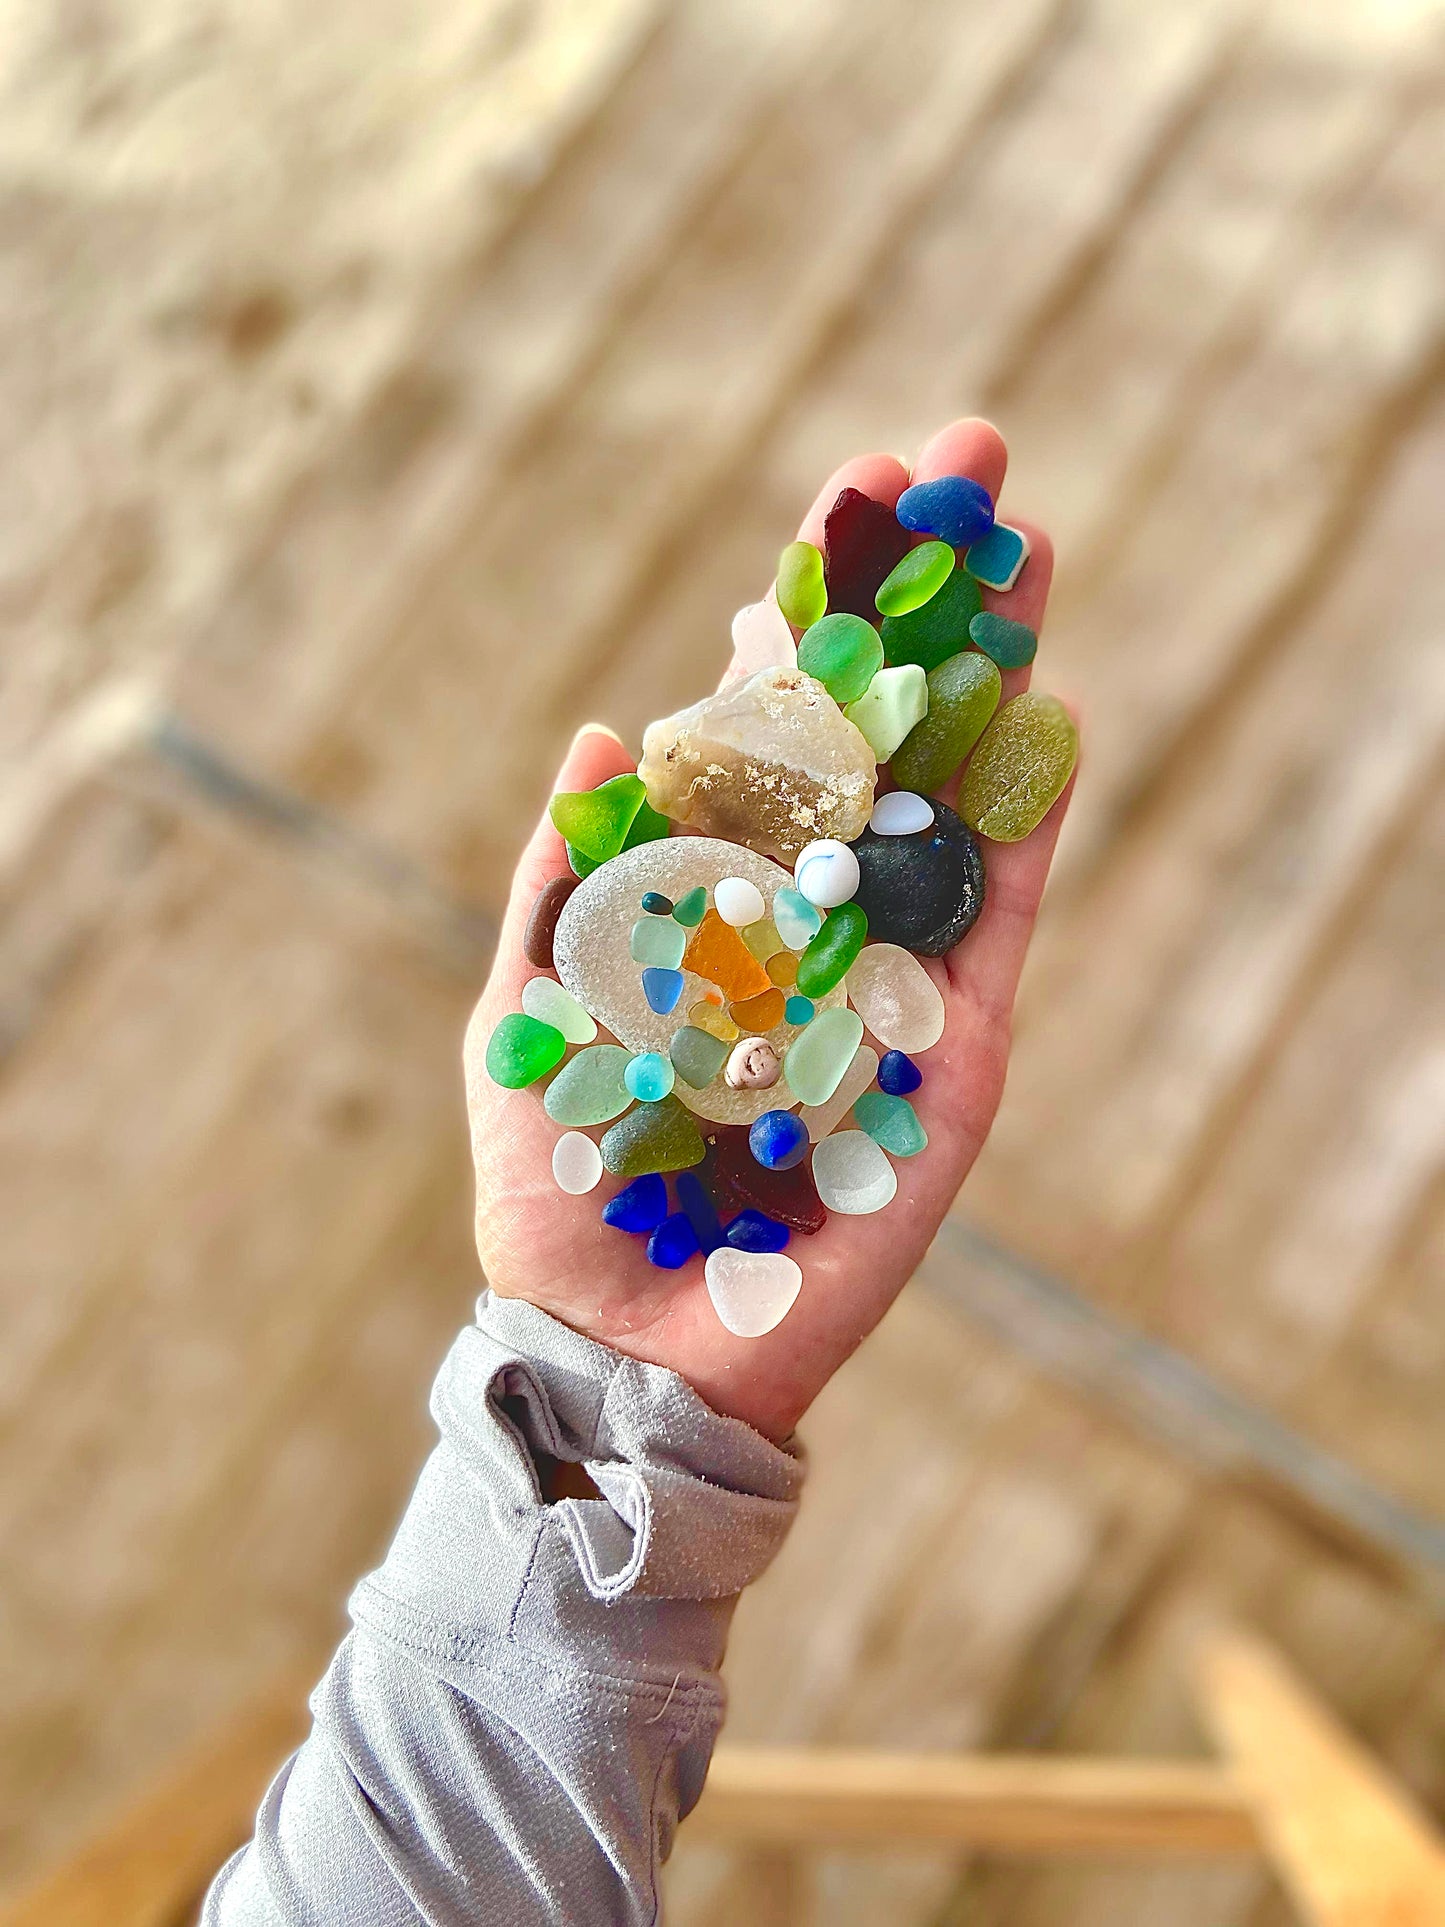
x=530, y=1696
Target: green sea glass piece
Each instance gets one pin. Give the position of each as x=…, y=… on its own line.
x=843, y=652
x=521, y=1049
x=1019, y=769
x=894, y=703
x=963, y=693
x=691, y=909
x=697, y=1056
x=831, y=954
x=939, y=629
x=659, y=941
x=592, y=1088
x=916, y=579
x=1012, y=645
x=817, y=1058
x=802, y=595
x=891, y=1122
x=596, y=822
x=648, y=826
x=653, y=1137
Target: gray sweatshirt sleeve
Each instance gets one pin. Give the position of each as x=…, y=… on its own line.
x=529, y=1695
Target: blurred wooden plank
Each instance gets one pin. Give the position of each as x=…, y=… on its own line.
x=154, y=1862
x=1229, y=900
x=1354, y=1850
x=262, y=235
x=832, y=1795
x=666, y=414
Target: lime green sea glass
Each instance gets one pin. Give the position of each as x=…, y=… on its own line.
x=802, y=595
x=596, y=822
x=916, y=579
x=939, y=629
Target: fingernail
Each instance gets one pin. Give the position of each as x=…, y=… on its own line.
x=595, y=729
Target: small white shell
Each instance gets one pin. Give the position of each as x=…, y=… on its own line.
x=826, y=873
x=753, y=1065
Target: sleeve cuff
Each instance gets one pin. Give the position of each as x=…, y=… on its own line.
x=694, y=1505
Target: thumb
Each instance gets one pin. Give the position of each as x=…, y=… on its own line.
x=596, y=752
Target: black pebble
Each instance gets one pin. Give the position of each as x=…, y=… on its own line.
x=923, y=891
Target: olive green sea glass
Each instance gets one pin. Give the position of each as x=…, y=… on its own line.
x=653, y=1137
x=916, y=579
x=939, y=629
x=831, y=954
x=963, y=693
x=1022, y=762
x=591, y=1089
x=844, y=653
x=521, y=1049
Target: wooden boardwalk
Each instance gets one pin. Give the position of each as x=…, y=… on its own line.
x=279, y=726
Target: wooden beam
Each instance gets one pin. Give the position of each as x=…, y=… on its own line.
x=1349, y=1844
x=157, y=1859
x=1034, y=1805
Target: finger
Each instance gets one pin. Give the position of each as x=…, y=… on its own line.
x=883, y=477
x=596, y=753
x=971, y=447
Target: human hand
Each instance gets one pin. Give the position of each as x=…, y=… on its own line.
x=538, y=1243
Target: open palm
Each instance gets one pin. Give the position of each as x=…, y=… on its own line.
x=538, y=1243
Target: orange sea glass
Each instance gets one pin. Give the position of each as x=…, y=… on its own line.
x=761, y=1013
x=719, y=954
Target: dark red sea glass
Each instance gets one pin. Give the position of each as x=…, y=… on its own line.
x=862, y=542
x=737, y=1181
x=542, y=921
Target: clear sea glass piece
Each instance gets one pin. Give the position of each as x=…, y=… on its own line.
x=896, y=998
x=576, y=1164
x=752, y=1291
x=852, y=1174
x=552, y=1003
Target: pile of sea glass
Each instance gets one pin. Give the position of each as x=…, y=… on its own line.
x=744, y=965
